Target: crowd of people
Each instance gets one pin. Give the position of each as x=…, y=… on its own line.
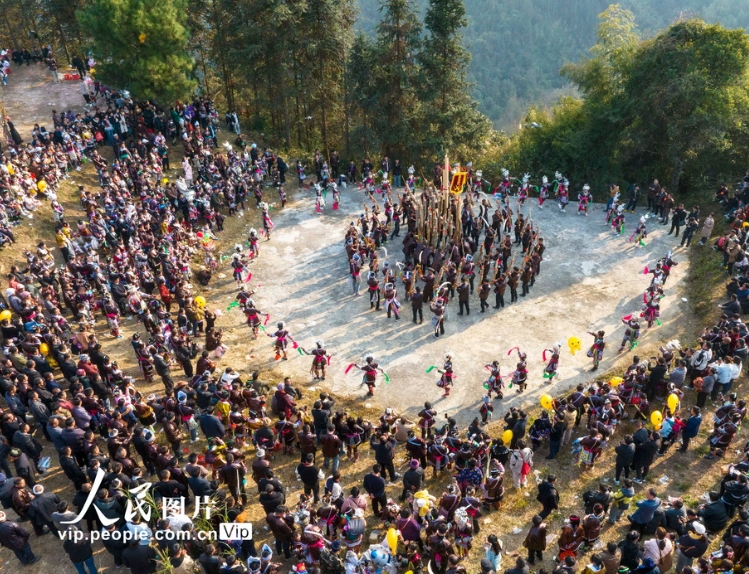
x=210, y=439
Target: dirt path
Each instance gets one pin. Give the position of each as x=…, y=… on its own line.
x=30, y=97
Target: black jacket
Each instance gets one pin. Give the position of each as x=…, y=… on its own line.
x=72, y=470
x=548, y=495
x=140, y=559
x=374, y=485
x=384, y=452
x=200, y=486
x=625, y=454
x=714, y=516
x=12, y=536
x=42, y=507
x=78, y=552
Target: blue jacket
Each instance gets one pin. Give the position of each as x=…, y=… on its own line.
x=212, y=426
x=693, y=425
x=645, y=510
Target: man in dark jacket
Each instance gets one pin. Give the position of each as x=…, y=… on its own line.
x=281, y=524
x=310, y=476
x=23, y=465
x=384, y=449
x=412, y=479
x=331, y=448
x=375, y=484
x=734, y=492
x=15, y=538
x=518, y=430
x=211, y=425
x=199, y=485
x=270, y=499
x=232, y=473
x=163, y=370
x=114, y=545
x=28, y=445
x=43, y=505
x=645, y=457
x=211, y=561
x=714, y=514
x=71, y=469
x=140, y=559
x=81, y=554
x=548, y=496
x=321, y=418
x=691, y=429
x=625, y=456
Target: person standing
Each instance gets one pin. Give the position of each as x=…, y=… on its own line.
x=646, y=456
x=310, y=476
x=521, y=462
x=417, y=304
x=535, y=541
x=41, y=509
x=81, y=554
x=15, y=538
x=707, y=229
x=625, y=455
x=555, y=436
x=281, y=525
x=691, y=429
x=621, y=501
x=374, y=484
x=548, y=496
x=634, y=195
x=384, y=449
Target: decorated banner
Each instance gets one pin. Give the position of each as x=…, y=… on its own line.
x=458, y=182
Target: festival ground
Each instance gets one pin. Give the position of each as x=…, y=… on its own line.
x=589, y=279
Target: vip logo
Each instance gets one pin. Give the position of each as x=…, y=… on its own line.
x=234, y=531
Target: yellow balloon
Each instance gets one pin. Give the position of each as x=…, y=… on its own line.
x=5, y=314
x=547, y=401
x=200, y=301
x=392, y=540
x=656, y=418
x=616, y=381
x=575, y=344
x=44, y=349
x=673, y=402
x=507, y=437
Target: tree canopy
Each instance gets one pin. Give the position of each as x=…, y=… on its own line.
x=141, y=45
x=673, y=106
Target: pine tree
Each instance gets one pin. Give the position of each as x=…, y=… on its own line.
x=396, y=74
x=451, y=118
x=141, y=45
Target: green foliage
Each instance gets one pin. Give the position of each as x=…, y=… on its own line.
x=395, y=73
x=673, y=107
x=142, y=46
x=518, y=46
x=451, y=120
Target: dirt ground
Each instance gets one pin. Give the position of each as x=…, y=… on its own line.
x=589, y=279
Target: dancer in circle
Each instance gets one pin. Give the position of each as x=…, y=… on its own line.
x=320, y=359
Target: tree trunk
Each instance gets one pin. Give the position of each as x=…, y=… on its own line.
x=678, y=168
x=323, y=108
x=284, y=101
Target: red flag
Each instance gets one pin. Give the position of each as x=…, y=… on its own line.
x=351, y=366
